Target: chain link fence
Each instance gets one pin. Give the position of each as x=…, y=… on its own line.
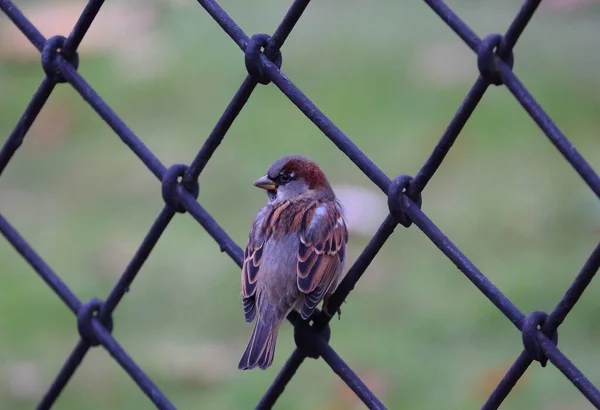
x=263, y=61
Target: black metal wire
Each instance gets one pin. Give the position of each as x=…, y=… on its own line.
x=180, y=191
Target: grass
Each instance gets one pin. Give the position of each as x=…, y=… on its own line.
x=415, y=328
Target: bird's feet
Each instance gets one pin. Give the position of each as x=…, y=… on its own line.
x=330, y=314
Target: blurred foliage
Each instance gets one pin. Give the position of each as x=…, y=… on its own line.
x=390, y=75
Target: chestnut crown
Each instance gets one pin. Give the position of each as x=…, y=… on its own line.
x=293, y=176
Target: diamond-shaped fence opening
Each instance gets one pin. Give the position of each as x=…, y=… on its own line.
x=180, y=190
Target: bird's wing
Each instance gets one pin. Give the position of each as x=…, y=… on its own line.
x=252, y=258
x=262, y=230
x=323, y=238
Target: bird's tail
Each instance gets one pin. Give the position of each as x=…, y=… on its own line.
x=261, y=347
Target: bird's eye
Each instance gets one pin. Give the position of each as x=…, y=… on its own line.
x=285, y=177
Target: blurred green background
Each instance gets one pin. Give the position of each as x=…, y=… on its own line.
x=390, y=74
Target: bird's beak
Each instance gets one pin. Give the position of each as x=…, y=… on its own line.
x=265, y=183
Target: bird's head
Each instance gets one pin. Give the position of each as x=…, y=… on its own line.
x=293, y=177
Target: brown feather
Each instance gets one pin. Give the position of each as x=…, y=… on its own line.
x=320, y=253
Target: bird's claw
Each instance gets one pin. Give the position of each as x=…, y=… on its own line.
x=330, y=314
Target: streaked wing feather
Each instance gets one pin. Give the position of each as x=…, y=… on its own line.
x=311, y=300
x=250, y=270
x=252, y=259
x=321, y=250
x=249, y=308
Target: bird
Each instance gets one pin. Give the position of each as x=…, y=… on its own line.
x=295, y=254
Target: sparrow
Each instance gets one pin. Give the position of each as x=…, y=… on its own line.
x=295, y=254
